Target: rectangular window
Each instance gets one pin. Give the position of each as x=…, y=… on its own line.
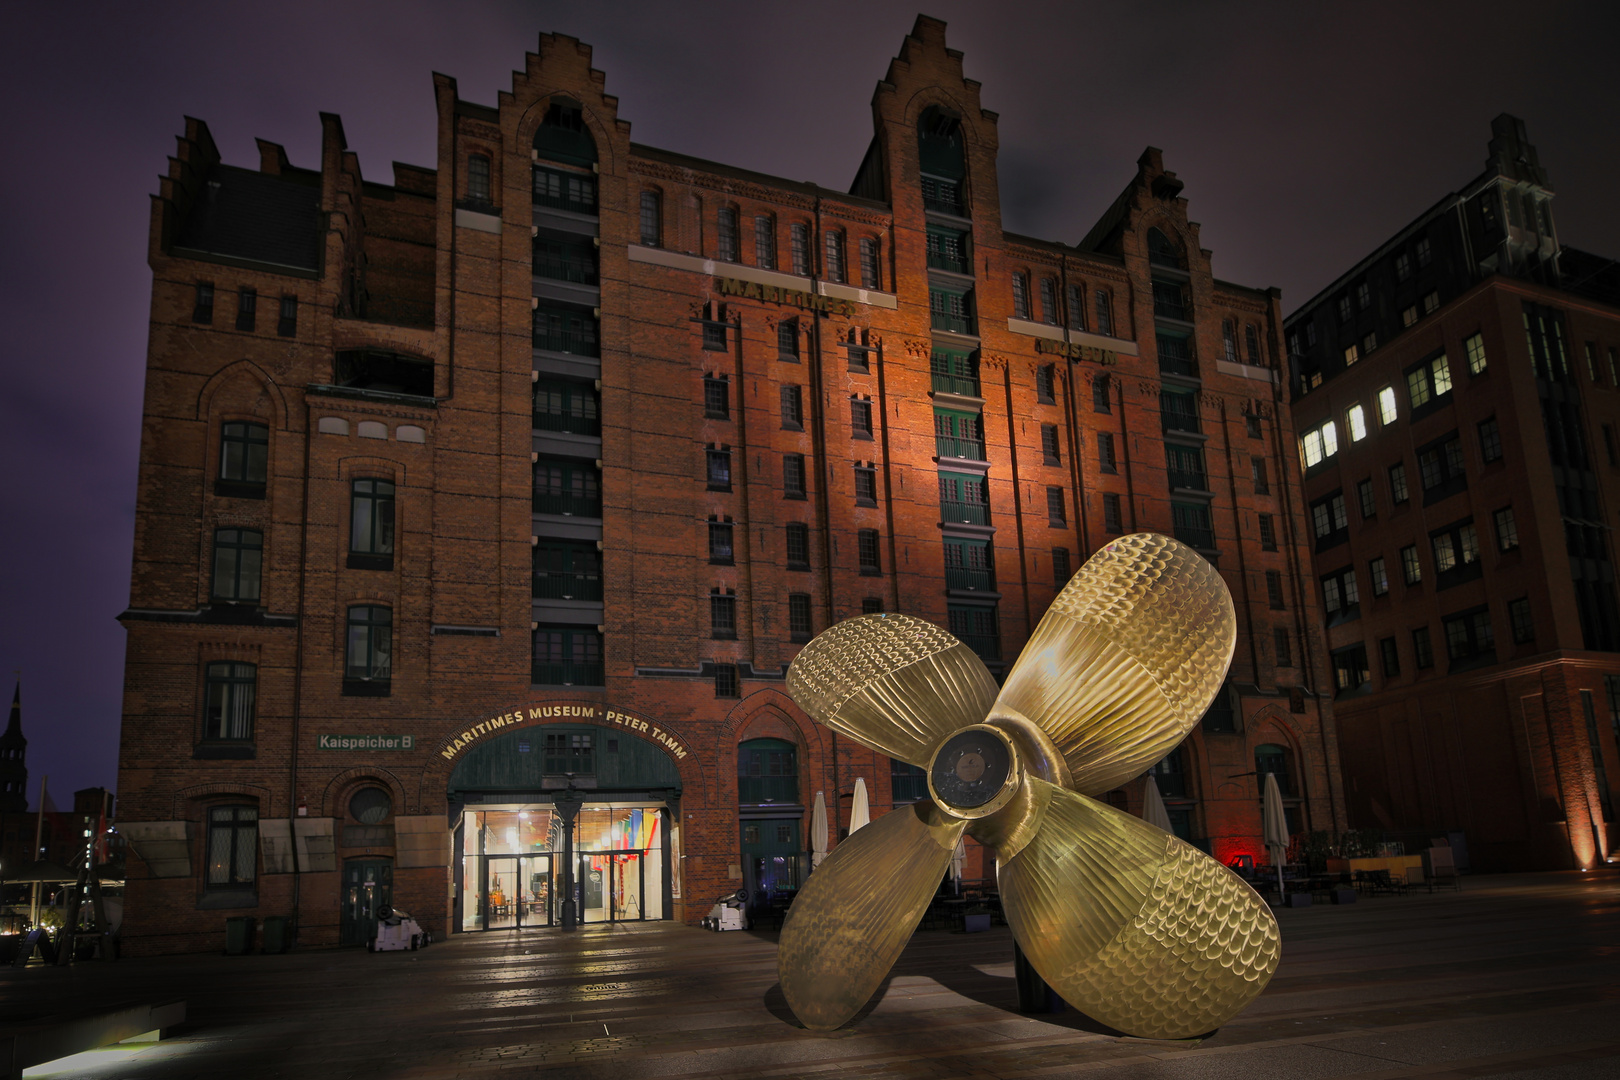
x=1428, y=381
x=566, y=656
x=719, y=469
x=238, y=556
x=717, y=397
x=1363, y=296
x=1364, y=495
x=787, y=341
x=1351, y=354
x=1425, y=253
x=1268, y=533
x=1252, y=423
x=1368, y=344
x=1105, y=319
x=564, y=190
x=1344, y=308
x=958, y=435
x=1113, y=521
x=1490, y=441
x=1474, y=349
x=371, y=520
x=799, y=247
x=568, y=752
x=866, y=542
x=1049, y=301
x=368, y=665
x=1192, y=524
x=566, y=487
x=1386, y=406
x=228, y=696
x=1456, y=554
x=865, y=485
x=798, y=546
x=968, y=566
x=1519, y=619
x=1049, y=445
x=1046, y=384
x=1411, y=568
x=233, y=852
x=1101, y=398
x=793, y=476
x=202, y=309
x=1592, y=364
x=564, y=329
x=1350, y=670
x=792, y=407
x=1274, y=589
x=1398, y=492
x=1330, y=521
x=1355, y=423
x=1431, y=303
x=1318, y=444
x=871, y=269
x=976, y=628
x=1391, y=656
x=244, y=452
x=1020, y=294
x=765, y=242
x=726, y=234
x=652, y=219
x=478, y=179
x=1341, y=598
x=1403, y=266
x=799, y=625
x=964, y=497
x=1229, y=340
x=573, y=571
x=1440, y=468
x=1178, y=411
x=1257, y=470
x=951, y=310
x=1470, y=642
x=287, y=324
x=860, y=418
x=834, y=267
x=247, y=307
x=722, y=616
x=1077, y=307
x=1507, y=530
x=1379, y=575
x=1105, y=453
x=1054, y=507
x=725, y=681
x=1422, y=649
x=948, y=249
x=721, y=551
x=714, y=335
x=1282, y=643
x=1060, y=567
x=1186, y=467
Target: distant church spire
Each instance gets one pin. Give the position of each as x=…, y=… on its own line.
x=14, y=759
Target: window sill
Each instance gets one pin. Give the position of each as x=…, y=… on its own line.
x=367, y=687
x=723, y=635
x=360, y=560
x=1057, y=523
x=239, y=489
x=792, y=427
x=802, y=566
x=792, y=494
x=710, y=414
x=715, y=560
x=719, y=487
x=788, y=358
x=1047, y=459
x=799, y=639
x=868, y=571
x=865, y=502
x=224, y=751
x=859, y=434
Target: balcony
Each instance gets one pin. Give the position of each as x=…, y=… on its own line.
x=547, y=673
x=558, y=585
x=1170, y=302
x=1175, y=356
x=1193, y=526
x=986, y=646
x=768, y=789
x=964, y=513
x=955, y=447
x=573, y=423
x=565, y=263
x=952, y=323
x=962, y=577
x=955, y=384
x=943, y=196
x=1179, y=417
x=568, y=503
x=1193, y=480
x=563, y=339
x=575, y=192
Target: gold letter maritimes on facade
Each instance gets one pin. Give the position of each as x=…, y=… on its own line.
x=582, y=713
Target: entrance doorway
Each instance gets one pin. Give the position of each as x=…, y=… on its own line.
x=613, y=887
x=772, y=862
x=517, y=891
x=368, y=885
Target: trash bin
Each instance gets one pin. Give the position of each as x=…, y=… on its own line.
x=277, y=929
x=238, y=935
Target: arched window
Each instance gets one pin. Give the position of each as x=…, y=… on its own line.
x=767, y=772
x=370, y=805
x=562, y=135
x=1170, y=776
x=942, y=161
x=652, y=219
x=727, y=234
x=1272, y=758
x=1162, y=251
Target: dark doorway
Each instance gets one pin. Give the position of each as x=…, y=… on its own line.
x=368, y=885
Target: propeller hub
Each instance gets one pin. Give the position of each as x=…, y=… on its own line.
x=975, y=772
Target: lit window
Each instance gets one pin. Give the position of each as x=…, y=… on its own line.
x=1319, y=444
x=1409, y=316
x=1474, y=349
x=1431, y=303
x=1411, y=568
x=1507, y=530
x=1356, y=422
x=1351, y=355
x=1380, y=576
x=1428, y=381
x=1386, y=405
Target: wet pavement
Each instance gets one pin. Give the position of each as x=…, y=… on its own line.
x=1515, y=976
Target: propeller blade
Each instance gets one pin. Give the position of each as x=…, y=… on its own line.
x=893, y=683
x=854, y=915
x=1126, y=660
x=1131, y=925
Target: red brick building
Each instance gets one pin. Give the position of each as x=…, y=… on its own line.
x=529, y=473
x=1457, y=394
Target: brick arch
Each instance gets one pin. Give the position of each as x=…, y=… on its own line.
x=345, y=780
x=602, y=131
x=232, y=372
x=1271, y=724
x=240, y=790
x=1167, y=223
x=966, y=114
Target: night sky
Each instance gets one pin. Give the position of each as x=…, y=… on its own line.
x=1305, y=137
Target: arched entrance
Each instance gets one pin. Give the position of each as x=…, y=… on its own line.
x=557, y=816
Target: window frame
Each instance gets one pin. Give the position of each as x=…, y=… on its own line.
x=368, y=652
x=230, y=701
x=651, y=218
x=372, y=527
x=240, y=823
x=235, y=539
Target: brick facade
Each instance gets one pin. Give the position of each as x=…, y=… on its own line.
x=510, y=291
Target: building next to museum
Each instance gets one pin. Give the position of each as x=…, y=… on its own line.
x=513, y=486
x=1457, y=396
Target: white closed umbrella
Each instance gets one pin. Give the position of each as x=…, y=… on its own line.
x=818, y=831
x=861, y=813
x=958, y=857
x=1153, y=811
x=1275, y=823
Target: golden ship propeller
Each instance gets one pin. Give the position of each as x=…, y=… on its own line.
x=1127, y=923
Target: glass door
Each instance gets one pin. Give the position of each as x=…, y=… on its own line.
x=534, y=899
x=591, y=886
x=503, y=887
